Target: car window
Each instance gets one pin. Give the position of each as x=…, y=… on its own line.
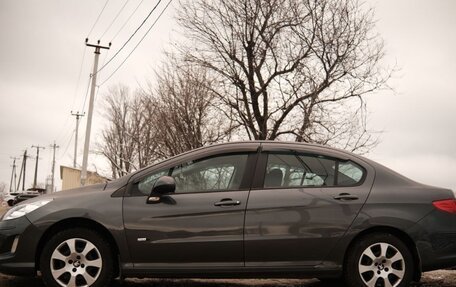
x=218, y=173
x=291, y=170
x=144, y=186
x=349, y=174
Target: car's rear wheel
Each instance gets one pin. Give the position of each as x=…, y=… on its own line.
x=379, y=260
x=77, y=257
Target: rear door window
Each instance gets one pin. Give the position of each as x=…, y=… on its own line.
x=300, y=170
x=349, y=174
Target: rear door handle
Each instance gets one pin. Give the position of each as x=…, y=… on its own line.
x=227, y=202
x=345, y=196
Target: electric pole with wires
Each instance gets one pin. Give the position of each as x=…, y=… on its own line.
x=85, y=156
x=78, y=116
x=54, y=147
x=13, y=175
x=22, y=172
x=36, y=164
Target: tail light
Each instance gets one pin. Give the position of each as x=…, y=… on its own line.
x=448, y=205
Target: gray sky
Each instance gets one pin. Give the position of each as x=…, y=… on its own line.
x=42, y=47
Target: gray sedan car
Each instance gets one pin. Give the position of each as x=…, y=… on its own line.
x=238, y=210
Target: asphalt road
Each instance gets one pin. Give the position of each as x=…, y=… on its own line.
x=441, y=278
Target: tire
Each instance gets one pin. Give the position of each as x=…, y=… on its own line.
x=377, y=259
x=88, y=263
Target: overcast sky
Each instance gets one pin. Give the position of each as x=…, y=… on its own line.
x=42, y=48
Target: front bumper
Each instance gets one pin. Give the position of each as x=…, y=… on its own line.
x=18, y=243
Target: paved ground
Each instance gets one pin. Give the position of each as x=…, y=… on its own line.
x=441, y=278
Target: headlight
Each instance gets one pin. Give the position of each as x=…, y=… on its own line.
x=25, y=208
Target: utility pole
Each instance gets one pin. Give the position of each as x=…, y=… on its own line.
x=13, y=175
x=89, y=115
x=54, y=147
x=78, y=116
x=36, y=164
x=22, y=172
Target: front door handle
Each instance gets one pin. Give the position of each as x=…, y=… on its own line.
x=227, y=202
x=345, y=196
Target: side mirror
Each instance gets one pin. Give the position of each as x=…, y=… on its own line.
x=163, y=185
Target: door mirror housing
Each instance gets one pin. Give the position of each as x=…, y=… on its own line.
x=163, y=185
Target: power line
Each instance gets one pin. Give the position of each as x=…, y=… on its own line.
x=63, y=128
x=131, y=36
x=68, y=145
x=68, y=134
x=74, y=94
x=79, y=76
x=63, y=132
x=123, y=62
x=115, y=18
x=87, y=93
x=105, y=57
x=80, y=73
x=98, y=18
x=128, y=19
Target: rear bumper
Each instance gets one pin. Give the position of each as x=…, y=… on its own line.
x=435, y=238
x=18, y=242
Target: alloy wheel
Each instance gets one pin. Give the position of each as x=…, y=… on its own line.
x=381, y=265
x=76, y=262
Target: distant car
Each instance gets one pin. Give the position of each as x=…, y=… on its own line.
x=24, y=196
x=9, y=199
x=250, y=209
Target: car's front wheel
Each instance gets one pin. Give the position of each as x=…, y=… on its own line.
x=379, y=260
x=77, y=257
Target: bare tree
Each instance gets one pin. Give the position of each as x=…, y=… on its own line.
x=289, y=69
x=257, y=69
x=186, y=112
x=118, y=144
x=178, y=115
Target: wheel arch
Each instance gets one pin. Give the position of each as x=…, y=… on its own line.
x=80, y=222
x=399, y=234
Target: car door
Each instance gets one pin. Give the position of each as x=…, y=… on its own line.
x=198, y=226
x=300, y=206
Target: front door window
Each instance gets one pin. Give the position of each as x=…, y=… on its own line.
x=221, y=173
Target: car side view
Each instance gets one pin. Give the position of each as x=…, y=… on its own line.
x=253, y=209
